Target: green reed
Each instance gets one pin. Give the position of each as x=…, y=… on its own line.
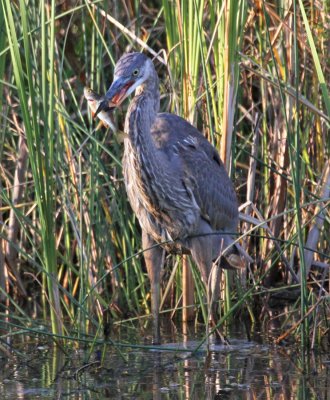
x=40, y=137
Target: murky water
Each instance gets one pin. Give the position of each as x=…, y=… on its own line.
x=245, y=369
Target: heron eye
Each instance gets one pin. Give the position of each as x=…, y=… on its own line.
x=135, y=72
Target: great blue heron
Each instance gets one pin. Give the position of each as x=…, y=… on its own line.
x=175, y=180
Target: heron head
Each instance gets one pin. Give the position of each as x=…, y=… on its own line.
x=131, y=71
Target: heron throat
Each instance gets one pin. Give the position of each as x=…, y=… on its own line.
x=142, y=113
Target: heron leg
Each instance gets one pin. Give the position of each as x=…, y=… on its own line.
x=154, y=259
x=202, y=251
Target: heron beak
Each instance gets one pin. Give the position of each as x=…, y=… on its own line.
x=115, y=95
x=102, y=106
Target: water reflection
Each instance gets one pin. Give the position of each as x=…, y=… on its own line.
x=246, y=369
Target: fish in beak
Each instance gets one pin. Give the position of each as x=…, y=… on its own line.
x=93, y=99
x=117, y=93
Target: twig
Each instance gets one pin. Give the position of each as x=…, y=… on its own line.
x=3, y=270
x=325, y=293
x=127, y=32
x=17, y=194
x=259, y=221
x=252, y=174
x=253, y=165
x=293, y=327
x=263, y=74
x=314, y=233
x=320, y=264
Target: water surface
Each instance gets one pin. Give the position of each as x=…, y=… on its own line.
x=248, y=368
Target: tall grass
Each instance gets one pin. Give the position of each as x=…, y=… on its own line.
x=230, y=64
x=40, y=136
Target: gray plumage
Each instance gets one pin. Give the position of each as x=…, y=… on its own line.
x=176, y=183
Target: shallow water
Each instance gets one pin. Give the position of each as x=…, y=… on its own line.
x=245, y=369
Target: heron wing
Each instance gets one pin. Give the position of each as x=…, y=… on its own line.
x=202, y=169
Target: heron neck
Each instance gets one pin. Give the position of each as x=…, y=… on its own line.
x=141, y=115
x=150, y=91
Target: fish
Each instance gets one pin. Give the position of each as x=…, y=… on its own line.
x=93, y=99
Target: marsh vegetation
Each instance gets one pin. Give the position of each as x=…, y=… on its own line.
x=250, y=75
